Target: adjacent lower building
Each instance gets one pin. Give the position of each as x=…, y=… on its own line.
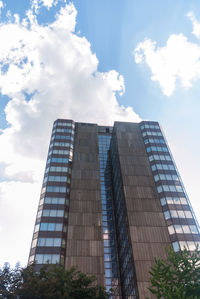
x=112, y=199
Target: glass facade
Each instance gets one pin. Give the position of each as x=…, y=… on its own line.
x=126, y=264
x=182, y=226
x=49, y=238
x=110, y=248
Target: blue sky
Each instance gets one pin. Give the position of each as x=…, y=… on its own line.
x=97, y=61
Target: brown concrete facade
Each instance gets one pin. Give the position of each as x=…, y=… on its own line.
x=148, y=231
x=84, y=240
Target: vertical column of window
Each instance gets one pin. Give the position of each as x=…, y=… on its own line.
x=49, y=237
x=175, y=203
x=126, y=263
x=110, y=254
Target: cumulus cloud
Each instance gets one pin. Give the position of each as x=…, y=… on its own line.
x=196, y=25
x=37, y=4
x=48, y=72
x=17, y=201
x=59, y=73
x=178, y=60
x=1, y=4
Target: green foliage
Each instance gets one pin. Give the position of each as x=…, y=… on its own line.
x=51, y=282
x=178, y=277
x=10, y=280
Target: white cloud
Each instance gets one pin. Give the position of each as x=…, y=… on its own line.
x=196, y=25
x=18, y=203
x=58, y=71
x=178, y=60
x=2, y=5
x=37, y=4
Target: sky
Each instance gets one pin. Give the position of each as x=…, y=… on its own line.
x=94, y=61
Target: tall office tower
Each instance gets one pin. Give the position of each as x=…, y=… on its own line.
x=111, y=200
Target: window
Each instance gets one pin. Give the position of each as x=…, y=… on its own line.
x=178, y=229
x=181, y=214
x=64, y=124
x=177, y=201
x=163, y=201
x=156, y=149
x=167, y=215
x=51, y=242
x=56, y=189
x=51, y=226
x=156, y=178
x=39, y=214
x=55, y=178
x=31, y=259
x=61, y=144
x=57, y=136
x=53, y=213
x=153, y=167
x=58, y=160
x=179, y=189
x=188, y=214
x=62, y=130
x=55, y=200
x=151, y=158
x=159, y=189
x=165, y=188
x=58, y=169
x=36, y=228
x=175, y=246
x=171, y=230
x=108, y=273
x=191, y=245
x=172, y=188
x=61, y=152
x=169, y=200
x=41, y=201
x=43, y=190
x=47, y=258
x=175, y=177
x=197, y=243
x=186, y=229
x=173, y=213
x=183, y=201
x=183, y=245
x=193, y=229
x=34, y=243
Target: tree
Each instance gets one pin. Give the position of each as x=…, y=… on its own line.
x=10, y=280
x=51, y=282
x=178, y=277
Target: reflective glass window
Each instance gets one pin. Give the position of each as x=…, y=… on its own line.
x=181, y=214
x=34, y=242
x=193, y=229
x=191, y=245
x=174, y=213
x=167, y=215
x=178, y=229
x=186, y=229
x=175, y=246
x=163, y=201
x=188, y=214
x=171, y=230
x=183, y=245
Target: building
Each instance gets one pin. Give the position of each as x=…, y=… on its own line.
x=111, y=200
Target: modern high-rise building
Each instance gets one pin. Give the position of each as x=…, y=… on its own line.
x=111, y=200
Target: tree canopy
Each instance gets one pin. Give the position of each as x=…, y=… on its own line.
x=178, y=277
x=51, y=282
